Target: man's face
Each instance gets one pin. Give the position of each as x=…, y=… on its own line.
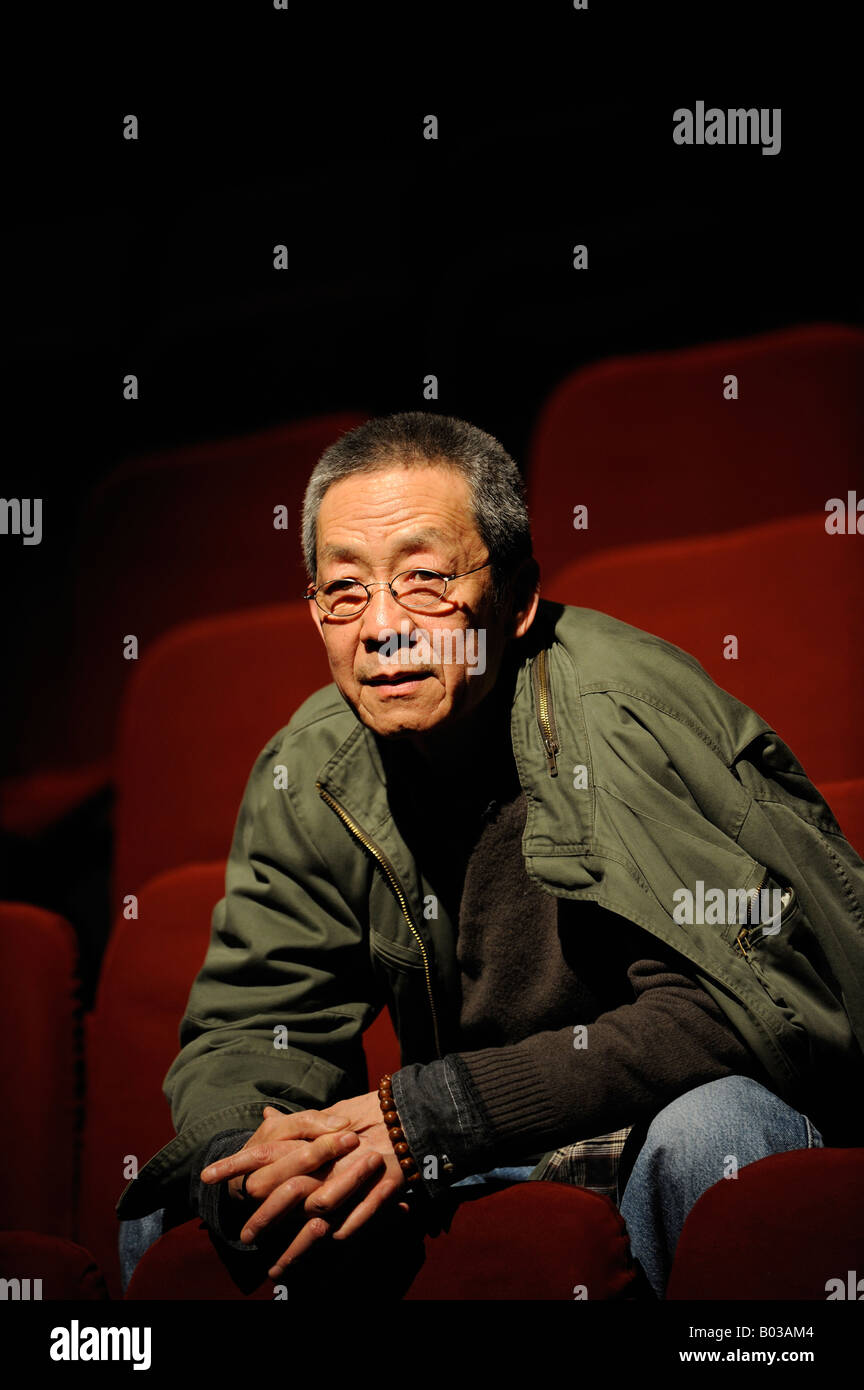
x=372, y=527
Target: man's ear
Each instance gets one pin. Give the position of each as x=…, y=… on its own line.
x=526, y=596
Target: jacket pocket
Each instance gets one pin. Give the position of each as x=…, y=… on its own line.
x=403, y=981
x=393, y=956
x=787, y=961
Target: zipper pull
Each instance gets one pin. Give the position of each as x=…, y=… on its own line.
x=551, y=755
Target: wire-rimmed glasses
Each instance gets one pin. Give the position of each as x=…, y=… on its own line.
x=417, y=590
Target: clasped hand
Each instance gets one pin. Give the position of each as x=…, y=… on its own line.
x=336, y=1166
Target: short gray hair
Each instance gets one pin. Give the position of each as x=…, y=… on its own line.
x=416, y=439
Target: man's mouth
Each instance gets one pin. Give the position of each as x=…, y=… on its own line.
x=399, y=677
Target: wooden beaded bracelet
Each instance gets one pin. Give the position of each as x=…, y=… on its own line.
x=397, y=1137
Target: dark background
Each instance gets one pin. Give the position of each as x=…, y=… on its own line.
x=406, y=256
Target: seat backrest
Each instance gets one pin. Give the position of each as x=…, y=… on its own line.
x=654, y=449
x=787, y=1227
x=202, y=704
x=181, y=535
x=40, y=1076
x=133, y=1037
x=792, y=597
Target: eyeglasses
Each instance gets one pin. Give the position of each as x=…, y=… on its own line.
x=416, y=590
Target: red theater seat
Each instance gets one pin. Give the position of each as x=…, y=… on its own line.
x=652, y=448
x=39, y=1079
x=203, y=703
x=535, y=1240
x=49, y=1269
x=132, y=1039
x=782, y=1229
x=561, y=1243
x=791, y=594
x=33, y=801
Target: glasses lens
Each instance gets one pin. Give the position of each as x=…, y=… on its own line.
x=343, y=597
x=419, y=588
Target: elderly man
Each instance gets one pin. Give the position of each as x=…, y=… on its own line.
x=489, y=823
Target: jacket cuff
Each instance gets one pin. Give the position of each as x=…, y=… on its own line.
x=222, y=1214
x=443, y=1120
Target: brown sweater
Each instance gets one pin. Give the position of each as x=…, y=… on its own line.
x=533, y=967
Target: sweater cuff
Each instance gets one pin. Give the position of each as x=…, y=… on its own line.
x=444, y=1124
x=511, y=1089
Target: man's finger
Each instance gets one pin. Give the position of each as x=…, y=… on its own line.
x=306, y=1119
x=257, y=1182
x=285, y=1198
x=319, y=1226
x=304, y=1159
x=301, y=1125
x=342, y=1184
x=312, y=1232
x=381, y=1193
x=290, y=1193
x=237, y=1190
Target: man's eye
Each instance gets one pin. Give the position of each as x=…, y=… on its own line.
x=338, y=586
x=419, y=577
x=421, y=587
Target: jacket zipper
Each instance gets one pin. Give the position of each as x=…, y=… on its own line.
x=397, y=889
x=742, y=940
x=545, y=714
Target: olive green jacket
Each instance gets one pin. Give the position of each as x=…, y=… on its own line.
x=642, y=777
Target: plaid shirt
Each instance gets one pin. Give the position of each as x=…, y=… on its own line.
x=592, y=1163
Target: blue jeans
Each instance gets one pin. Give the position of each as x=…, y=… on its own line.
x=134, y=1240
x=694, y=1142
x=704, y=1136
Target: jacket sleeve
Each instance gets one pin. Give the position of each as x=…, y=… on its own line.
x=286, y=989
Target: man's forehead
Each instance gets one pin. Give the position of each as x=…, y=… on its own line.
x=428, y=487
x=414, y=515
x=425, y=538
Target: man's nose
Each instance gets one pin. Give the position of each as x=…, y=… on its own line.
x=383, y=613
